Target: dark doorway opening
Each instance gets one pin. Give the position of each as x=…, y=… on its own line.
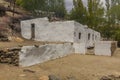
x=32, y=31
x=79, y=35
x=88, y=36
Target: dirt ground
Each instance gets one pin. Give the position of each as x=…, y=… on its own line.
x=81, y=67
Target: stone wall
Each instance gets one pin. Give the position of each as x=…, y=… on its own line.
x=80, y=34
x=59, y=31
x=30, y=55
x=80, y=48
x=105, y=48
x=10, y=56
x=92, y=37
x=26, y=26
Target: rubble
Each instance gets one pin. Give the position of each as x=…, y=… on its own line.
x=53, y=77
x=10, y=56
x=44, y=78
x=110, y=77
x=27, y=70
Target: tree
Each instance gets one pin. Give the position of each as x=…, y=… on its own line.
x=32, y=5
x=57, y=6
x=95, y=13
x=79, y=12
x=112, y=13
x=92, y=15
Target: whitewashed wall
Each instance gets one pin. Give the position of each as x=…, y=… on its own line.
x=103, y=48
x=31, y=55
x=49, y=31
x=59, y=31
x=56, y=32
x=94, y=36
x=79, y=28
x=26, y=26
x=80, y=48
x=90, y=41
x=97, y=36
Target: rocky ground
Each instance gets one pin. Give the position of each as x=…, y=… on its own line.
x=72, y=67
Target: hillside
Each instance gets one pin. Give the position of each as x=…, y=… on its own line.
x=10, y=20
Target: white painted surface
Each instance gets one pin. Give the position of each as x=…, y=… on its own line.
x=94, y=37
x=26, y=26
x=59, y=31
x=31, y=55
x=80, y=48
x=79, y=28
x=56, y=32
x=49, y=31
x=103, y=48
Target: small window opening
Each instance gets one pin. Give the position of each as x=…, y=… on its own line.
x=79, y=35
x=32, y=31
x=89, y=36
x=93, y=37
x=96, y=37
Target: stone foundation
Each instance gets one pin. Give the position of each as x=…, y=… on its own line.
x=30, y=55
x=10, y=56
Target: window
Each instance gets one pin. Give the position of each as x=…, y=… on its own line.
x=93, y=37
x=32, y=25
x=96, y=37
x=32, y=31
x=88, y=36
x=79, y=35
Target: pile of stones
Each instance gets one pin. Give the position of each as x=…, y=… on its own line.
x=110, y=77
x=10, y=56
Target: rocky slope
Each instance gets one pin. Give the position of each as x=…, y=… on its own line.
x=10, y=20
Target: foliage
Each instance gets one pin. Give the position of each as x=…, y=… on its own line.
x=31, y=5
x=105, y=20
x=95, y=13
x=113, y=19
x=79, y=12
x=57, y=6
x=92, y=15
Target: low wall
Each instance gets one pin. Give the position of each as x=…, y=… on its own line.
x=30, y=55
x=105, y=48
x=10, y=56
x=80, y=48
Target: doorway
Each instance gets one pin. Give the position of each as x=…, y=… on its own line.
x=32, y=31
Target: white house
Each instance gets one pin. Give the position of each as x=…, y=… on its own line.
x=40, y=29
